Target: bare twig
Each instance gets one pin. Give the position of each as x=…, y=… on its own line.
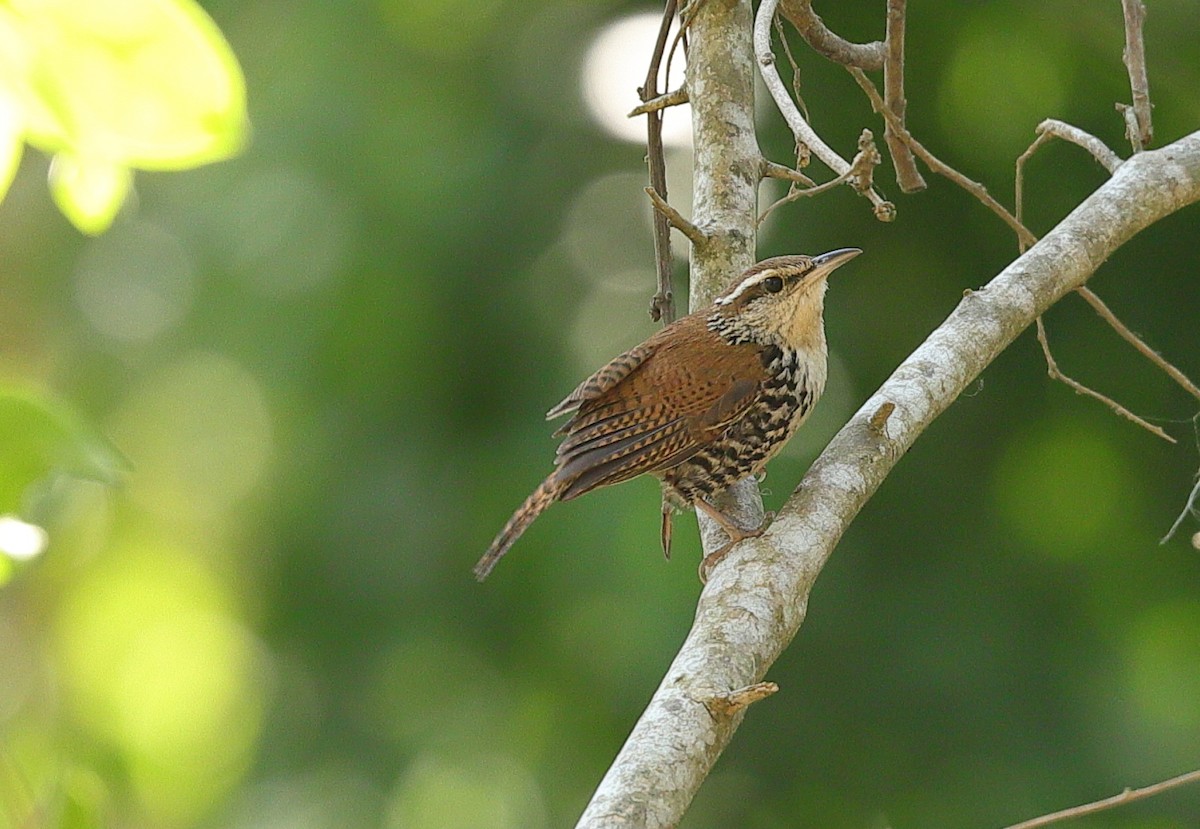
x=667, y=99
x=726, y=705
x=866, y=56
x=1048, y=129
x=675, y=219
x=1052, y=128
x=1189, y=508
x=662, y=304
x=1132, y=130
x=1055, y=374
x=907, y=175
x=787, y=107
x=1127, y=796
x=795, y=193
x=859, y=175
x=781, y=171
x=791, y=59
x=1141, y=129
x=934, y=163
x=1133, y=339
x=1057, y=129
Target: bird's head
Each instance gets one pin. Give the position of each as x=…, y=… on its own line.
x=779, y=300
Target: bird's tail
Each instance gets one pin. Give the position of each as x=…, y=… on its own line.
x=546, y=494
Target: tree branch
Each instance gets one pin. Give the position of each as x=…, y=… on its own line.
x=1141, y=130
x=866, y=56
x=1127, y=796
x=662, y=304
x=907, y=175
x=641, y=789
x=791, y=113
x=756, y=598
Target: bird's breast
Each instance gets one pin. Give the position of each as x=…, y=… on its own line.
x=792, y=382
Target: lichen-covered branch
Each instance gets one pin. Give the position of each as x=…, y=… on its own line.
x=655, y=776
x=756, y=598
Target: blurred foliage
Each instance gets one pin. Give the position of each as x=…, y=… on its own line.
x=323, y=365
x=106, y=87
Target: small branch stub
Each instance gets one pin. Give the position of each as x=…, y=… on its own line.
x=676, y=219
x=878, y=421
x=667, y=99
x=726, y=705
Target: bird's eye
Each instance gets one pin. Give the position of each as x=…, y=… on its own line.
x=772, y=284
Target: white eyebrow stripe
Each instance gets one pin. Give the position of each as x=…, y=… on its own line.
x=743, y=286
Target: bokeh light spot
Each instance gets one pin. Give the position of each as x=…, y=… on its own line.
x=134, y=282
x=155, y=664
x=438, y=28
x=482, y=792
x=1000, y=84
x=198, y=435
x=1162, y=655
x=21, y=540
x=289, y=231
x=613, y=70
x=1062, y=489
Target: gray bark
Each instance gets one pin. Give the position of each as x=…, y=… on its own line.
x=757, y=597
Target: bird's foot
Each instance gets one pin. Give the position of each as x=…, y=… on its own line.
x=736, y=535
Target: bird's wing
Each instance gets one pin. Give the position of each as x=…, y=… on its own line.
x=657, y=416
x=604, y=379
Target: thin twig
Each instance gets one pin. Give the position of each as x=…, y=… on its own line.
x=1135, y=62
x=667, y=99
x=1189, y=508
x=770, y=169
x=1132, y=130
x=787, y=107
x=866, y=56
x=1055, y=374
x=907, y=175
x=859, y=175
x=1053, y=128
x=1133, y=339
x=1057, y=129
x=934, y=163
x=676, y=219
x=1127, y=796
x=791, y=59
x=662, y=304
x=796, y=193
x=1100, y=151
x=726, y=705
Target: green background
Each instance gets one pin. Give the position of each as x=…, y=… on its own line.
x=326, y=363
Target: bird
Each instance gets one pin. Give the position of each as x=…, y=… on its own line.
x=701, y=404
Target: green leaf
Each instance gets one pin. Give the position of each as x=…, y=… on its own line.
x=39, y=437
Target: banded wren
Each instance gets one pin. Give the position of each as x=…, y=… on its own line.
x=701, y=404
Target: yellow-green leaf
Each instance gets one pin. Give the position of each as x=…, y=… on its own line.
x=88, y=192
x=151, y=84
x=11, y=140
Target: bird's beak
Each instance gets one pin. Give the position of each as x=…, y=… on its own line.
x=827, y=263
